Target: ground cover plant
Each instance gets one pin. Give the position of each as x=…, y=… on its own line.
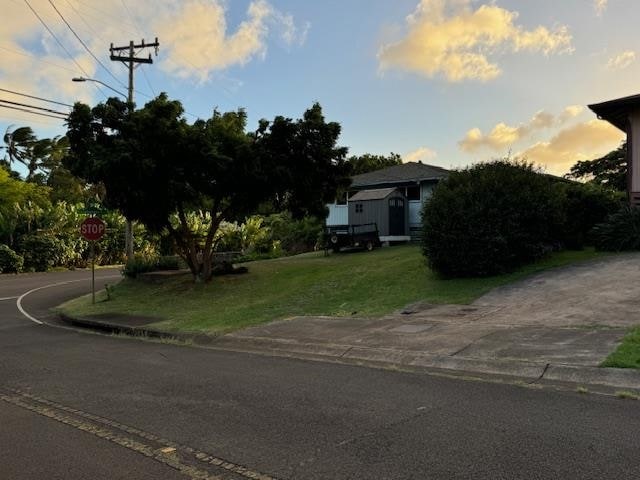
x=347, y=284
x=627, y=355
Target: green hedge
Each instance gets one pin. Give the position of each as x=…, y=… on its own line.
x=10, y=261
x=621, y=231
x=494, y=217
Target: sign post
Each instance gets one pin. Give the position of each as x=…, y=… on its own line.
x=93, y=229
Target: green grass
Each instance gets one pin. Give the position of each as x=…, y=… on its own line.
x=627, y=355
x=359, y=284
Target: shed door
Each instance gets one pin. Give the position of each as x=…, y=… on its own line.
x=396, y=216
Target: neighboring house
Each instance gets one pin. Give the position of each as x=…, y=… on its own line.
x=392, y=198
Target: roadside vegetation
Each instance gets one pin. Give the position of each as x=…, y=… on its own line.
x=627, y=355
x=346, y=284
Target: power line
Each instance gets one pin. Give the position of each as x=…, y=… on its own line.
x=26, y=54
x=32, y=112
x=36, y=98
x=33, y=106
x=85, y=45
x=61, y=44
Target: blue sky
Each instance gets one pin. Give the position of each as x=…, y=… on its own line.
x=451, y=82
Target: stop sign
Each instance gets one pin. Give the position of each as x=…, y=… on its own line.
x=93, y=228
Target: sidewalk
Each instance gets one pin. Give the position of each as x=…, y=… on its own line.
x=558, y=325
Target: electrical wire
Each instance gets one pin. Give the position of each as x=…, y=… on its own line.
x=32, y=112
x=85, y=45
x=36, y=98
x=61, y=44
x=33, y=106
x=26, y=54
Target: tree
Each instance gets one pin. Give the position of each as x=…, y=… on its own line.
x=609, y=171
x=18, y=144
x=186, y=179
x=19, y=203
x=369, y=163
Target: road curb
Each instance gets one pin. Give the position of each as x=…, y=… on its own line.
x=526, y=372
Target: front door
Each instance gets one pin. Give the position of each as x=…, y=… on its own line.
x=396, y=216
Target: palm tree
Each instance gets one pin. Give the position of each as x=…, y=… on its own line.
x=19, y=144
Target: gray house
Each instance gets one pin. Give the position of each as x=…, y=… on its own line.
x=392, y=198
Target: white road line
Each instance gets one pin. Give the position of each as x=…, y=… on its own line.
x=21, y=297
x=8, y=298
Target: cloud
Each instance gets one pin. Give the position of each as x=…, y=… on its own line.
x=422, y=153
x=195, y=36
x=600, y=6
x=503, y=136
x=199, y=42
x=582, y=141
x=622, y=60
x=449, y=38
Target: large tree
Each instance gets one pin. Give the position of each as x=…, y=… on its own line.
x=609, y=170
x=186, y=179
x=369, y=163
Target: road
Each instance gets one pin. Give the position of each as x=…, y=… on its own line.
x=77, y=405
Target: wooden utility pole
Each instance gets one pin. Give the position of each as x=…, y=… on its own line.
x=127, y=55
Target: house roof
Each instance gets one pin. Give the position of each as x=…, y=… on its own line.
x=378, y=194
x=406, y=173
x=617, y=111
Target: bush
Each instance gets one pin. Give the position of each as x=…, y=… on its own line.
x=170, y=262
x=40, y=252
x=295, y=236
x=10, y=261
x=140, y=264
x=491, y=218
x=621, y=231
x=585, y=205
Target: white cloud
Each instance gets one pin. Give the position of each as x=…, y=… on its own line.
x=454, y=40
x=622, y=60
x=195, y=40
x=504, y=136
x=600, y=6
x=582, y=141
x=421, y=153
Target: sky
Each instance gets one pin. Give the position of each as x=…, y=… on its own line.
x=448, y=82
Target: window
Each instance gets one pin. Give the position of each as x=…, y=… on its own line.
x=413, y=193
x=358, y=208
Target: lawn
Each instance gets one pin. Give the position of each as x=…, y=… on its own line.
x=358, y=284
x=627, y=355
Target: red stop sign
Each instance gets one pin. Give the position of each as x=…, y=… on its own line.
x=93, y=228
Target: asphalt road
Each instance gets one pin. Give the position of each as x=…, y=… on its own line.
x=79, y=405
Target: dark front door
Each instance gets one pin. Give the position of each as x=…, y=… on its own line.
x=396, y=216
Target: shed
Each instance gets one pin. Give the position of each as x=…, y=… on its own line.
x=386, y=207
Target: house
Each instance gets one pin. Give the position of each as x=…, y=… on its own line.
x=392, y=198
x=624, y=113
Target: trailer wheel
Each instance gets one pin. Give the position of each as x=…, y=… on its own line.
x=369, y=245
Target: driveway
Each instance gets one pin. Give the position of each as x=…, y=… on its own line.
x=574, y=316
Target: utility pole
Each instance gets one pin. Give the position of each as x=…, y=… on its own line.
x=127, y=55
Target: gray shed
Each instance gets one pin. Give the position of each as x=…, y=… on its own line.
x=386, y=207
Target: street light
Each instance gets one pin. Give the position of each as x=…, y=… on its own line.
x=128, y=235
x=84, y=79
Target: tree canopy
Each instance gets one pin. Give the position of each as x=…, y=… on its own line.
x=369, y=163
x=159, y=169
x=609, y=170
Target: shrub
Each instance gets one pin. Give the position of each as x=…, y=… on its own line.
x=490, y=219
x=140, y=264
x=10, y=261
x=40, y=252
x=621, y=231
x=170, y=262
x=295, y=236
x=585, y=205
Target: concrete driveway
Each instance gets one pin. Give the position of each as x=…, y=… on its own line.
x=571, y=316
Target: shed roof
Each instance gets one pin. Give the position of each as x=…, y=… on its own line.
x=617, y=111
x=400, y=174
x=378, y=194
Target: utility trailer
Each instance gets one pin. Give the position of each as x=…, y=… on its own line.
x=356, y=236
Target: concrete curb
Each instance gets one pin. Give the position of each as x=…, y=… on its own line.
x=526, y=372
